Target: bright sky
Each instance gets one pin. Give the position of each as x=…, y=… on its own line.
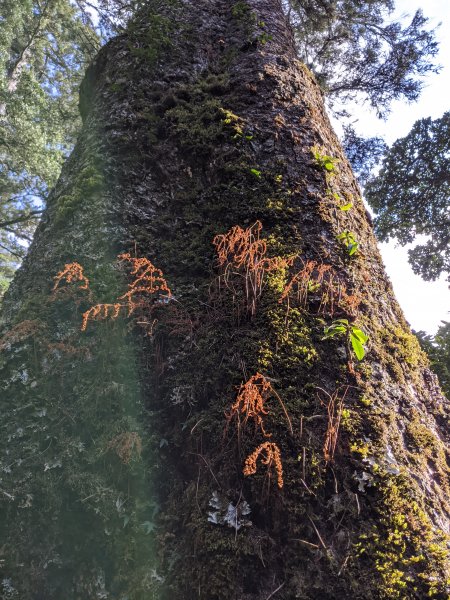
x=425, y=303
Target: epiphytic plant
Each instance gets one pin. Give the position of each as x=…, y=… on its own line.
x=148, y=281
x=147, y=289
x=324, y=161
x=242, y=254
x=125, y=445
x=272, y=459
x=335, y=405
x=354, y=335
x=72, y=272
x=322, y=285
x=101, y=312
x=251, y=403
x=349, y=241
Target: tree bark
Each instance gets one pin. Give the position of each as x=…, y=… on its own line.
x=122, y=457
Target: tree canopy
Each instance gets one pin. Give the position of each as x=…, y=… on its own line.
x=355, y=51
x=438, y=349
x=44, y=47
x=410, y=195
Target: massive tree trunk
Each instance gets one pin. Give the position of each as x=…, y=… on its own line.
x=125, y=434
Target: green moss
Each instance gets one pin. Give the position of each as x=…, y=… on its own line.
x=86, y=187
x=199, y=123
x=148, y=44
x=404, y=548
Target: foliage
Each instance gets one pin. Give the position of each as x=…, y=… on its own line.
x=148, y=281
x=357, y=337
x=363, y=153
x=349, y=240
x=437, y=348
x=44, y=47
x=251, y=401
x=353, y=49
x=410, y=195
x=323, y=160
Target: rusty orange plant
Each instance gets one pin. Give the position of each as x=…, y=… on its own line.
x=101, y=312
x=322, y=283
x=72, y=272
x=148, y=281
x=251, y=403
x=335, y=405
x=242, y=253
x=21, y=332
x=271, y=456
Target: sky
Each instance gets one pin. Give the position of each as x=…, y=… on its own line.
x=424, y=303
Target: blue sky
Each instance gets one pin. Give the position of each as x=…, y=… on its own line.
x=425, y=303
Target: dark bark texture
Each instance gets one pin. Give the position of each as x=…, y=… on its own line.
x=121, y=458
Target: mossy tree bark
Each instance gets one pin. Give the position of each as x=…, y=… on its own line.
x=122, y=462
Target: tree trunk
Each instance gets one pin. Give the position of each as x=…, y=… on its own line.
x=125, y=433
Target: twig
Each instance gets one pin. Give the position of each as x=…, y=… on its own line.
x=318, y=534
x=275, y=591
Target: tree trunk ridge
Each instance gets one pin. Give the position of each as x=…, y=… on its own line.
x=122, y=457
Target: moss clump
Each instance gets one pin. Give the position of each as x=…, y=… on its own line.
x=87, y=186
x=198, y=124
x=148, y=43
x=404, y=549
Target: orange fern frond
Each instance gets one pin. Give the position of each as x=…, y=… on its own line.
x=72, y=272
x=272, y=459
x=148, y=281
x=250, y=401
x=242, y=253
x=100, y=312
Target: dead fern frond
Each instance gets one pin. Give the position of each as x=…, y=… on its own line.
x=335, y=405
x=21, y=332
x=101, y=312
x=251, y=403
x=242, y=253
x=272, y=459
x=148, y=281
x=72, y=272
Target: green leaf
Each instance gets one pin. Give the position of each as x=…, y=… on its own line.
x=255, y=172
x=358, y=348
x=360, y=335
x=346, y=207
x=352, y=248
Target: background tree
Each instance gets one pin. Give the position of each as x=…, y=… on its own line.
x=44, y=48
x=410, y=195
x=133, y=418
x=438, y=349
x=363, y=153
x=355, y=51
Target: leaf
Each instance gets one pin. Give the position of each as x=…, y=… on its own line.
x=346, y=207
x=255, y=172
x=358, y=348
x=352, y=248
x=360, y=335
